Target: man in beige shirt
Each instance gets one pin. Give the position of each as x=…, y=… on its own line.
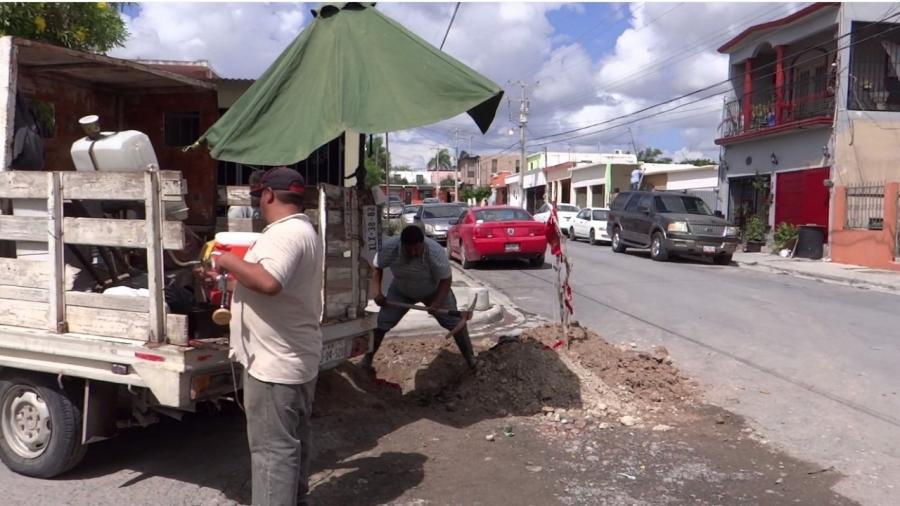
x=275, y=335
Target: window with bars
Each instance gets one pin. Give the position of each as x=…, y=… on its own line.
x=181, y=128
x=865, y=206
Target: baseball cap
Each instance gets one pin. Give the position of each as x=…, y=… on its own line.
x=279, y=179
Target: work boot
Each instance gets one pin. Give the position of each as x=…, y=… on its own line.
x=465, y=347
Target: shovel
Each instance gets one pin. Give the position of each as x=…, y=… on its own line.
x=464, y=315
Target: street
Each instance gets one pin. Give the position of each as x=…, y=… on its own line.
x=812, y=364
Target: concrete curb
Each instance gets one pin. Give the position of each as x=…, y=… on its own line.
x=840, y=280
x=427, y=324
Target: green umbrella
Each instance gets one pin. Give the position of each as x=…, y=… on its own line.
x=352, y=68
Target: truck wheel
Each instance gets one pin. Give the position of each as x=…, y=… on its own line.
x=40, y=428
x=537, y=262
x=572, y=234
x=617, y=245
x=592, y=239
x=722, y=259
x=658, y=248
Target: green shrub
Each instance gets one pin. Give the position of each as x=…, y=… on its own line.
x=785, y=233
x=755, y=230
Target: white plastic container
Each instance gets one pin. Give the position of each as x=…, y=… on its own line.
x=115, y=152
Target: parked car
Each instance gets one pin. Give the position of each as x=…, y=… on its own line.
x=435, y=219
x=494, y=233
x=393, y=208
x=670, y=224
x=590, y=224
x=565, y=212
x=409, y=213
x=431, y=200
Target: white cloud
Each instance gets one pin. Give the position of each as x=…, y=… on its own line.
x=239, y=40
x=667, y=50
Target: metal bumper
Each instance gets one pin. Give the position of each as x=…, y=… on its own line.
x=701, y=246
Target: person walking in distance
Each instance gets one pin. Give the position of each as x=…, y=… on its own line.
x=275, y=335
x=421, y=271
x=636, y=175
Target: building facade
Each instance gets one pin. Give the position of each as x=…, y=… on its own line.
x=815, y=114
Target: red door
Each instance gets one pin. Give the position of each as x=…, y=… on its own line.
x=801, y=198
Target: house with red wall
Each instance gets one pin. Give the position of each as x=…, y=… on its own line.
x=809, y=133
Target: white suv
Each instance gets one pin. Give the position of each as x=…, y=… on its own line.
x=565, y=212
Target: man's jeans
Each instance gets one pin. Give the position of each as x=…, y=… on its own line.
x=278, y=431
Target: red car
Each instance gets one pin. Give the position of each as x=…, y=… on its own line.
x=495, y=233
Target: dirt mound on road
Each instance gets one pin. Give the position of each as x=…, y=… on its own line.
x=647, y=376
x=518, y=375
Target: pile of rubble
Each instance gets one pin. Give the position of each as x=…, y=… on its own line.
x=589, y=382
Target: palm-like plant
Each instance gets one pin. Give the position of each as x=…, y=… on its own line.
x=441, y=161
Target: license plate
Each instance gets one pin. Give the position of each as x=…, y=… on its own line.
x=709, y=249
x=333, y=351
x=512, y=247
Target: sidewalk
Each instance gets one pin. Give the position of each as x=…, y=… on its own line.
x=419, y=322
x=852, y=275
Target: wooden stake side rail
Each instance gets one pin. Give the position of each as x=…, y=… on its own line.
x=34, y=294
x=346, y=273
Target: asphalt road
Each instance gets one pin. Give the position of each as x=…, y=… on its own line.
x=813, y=365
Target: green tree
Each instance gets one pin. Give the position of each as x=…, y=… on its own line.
x=92, y=26
x=441, y=161
x=398, y=179
x=652, y=155
x=478, y=193
x=448, y=181
x=375, y=161
x=699, y=161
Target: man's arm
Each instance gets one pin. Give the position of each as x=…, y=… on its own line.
x=375, y=286
x=253, y=276
x=440, y=295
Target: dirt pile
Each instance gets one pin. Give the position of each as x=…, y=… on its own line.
x=522, y=376
x=519, y=376
x=646, y=376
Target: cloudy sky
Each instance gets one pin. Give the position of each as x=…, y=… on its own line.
x=584, y=64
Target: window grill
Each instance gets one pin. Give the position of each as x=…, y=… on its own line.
x=865, y=206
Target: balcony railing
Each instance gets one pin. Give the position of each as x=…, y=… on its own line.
x=802, y=99
x=873, y=87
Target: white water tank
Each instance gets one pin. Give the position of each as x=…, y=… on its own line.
x=115, y=152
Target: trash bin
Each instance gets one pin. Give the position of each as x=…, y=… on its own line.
x=810, y=242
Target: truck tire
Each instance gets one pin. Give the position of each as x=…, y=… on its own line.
x=592, y=239
x=40, y=427
x=616, y=242
x=537, y=262
x=722, y=259
x=572, y=235
x=658, y=248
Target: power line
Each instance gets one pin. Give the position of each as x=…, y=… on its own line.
x=452, y=18
x=677, y=56
x=711, y=86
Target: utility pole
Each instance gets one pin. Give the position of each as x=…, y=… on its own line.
x=523, y=120
x=633, y=145
x=387, y=164
x=456, y=174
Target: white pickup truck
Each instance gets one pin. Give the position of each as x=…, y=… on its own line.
x=70, y=361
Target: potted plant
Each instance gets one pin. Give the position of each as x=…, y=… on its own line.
x=785, y=237
x=754, y=235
